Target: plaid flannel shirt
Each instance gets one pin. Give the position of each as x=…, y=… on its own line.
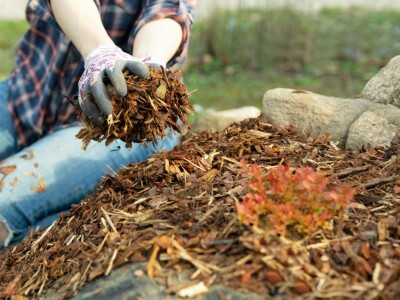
x=48, y=66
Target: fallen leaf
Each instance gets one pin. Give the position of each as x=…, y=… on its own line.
x=41, y=187
x=31, y=154
x=161, y=90
x=7, y=169
x=14, y=182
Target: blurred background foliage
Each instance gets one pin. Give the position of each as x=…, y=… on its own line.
x=237, y=55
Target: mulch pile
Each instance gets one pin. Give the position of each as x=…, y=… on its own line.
x=151, y=107
x=176, y=212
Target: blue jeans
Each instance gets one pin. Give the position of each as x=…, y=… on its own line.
x=68, y=172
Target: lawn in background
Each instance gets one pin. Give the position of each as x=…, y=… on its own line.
x=10, y=33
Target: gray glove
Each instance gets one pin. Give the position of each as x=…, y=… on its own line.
x=111, y=62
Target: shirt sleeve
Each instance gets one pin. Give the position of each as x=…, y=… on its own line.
x=182, y=11
x=41, y=9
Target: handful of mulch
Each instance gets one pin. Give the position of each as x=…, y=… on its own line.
x=151, y=107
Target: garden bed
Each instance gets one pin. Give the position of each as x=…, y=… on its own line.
x=177, y=212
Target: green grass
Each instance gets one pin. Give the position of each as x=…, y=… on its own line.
x=221, y=91
x=10, y=33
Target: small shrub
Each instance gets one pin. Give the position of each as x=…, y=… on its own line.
x=296, y=202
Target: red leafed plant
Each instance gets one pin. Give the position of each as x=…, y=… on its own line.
x=285, y=201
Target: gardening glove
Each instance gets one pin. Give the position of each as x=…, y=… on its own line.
x=154, y=62
x=111, y=62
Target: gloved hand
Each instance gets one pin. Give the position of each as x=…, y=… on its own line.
x=106, y=61
x=154, y=62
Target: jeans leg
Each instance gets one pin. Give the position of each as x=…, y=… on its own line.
x=68, y=172
x=8, y=141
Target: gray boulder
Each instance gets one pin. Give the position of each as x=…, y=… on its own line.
x=311, y=112
x=384, y=87
x=351, y=122
x=389, y=112
x=371, y=129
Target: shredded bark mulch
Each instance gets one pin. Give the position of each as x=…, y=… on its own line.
x=151, y=108
x=176, y=211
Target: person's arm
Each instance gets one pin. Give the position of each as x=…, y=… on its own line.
x=80, y=21
x=160, y=38
x=170, y=22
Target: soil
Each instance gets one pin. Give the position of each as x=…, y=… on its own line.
x=176, y=213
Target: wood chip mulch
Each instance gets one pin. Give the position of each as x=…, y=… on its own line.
x=176, y=212
x=151, y=108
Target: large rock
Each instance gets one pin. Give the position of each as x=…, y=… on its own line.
x=384, y=87
x=371, y=129
x=352, y=122
x=219, y=120
x=311, y=112
x=130, y=282
x=390, y=112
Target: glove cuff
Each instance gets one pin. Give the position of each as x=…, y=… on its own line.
x=152, y=59
x=101, y=50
